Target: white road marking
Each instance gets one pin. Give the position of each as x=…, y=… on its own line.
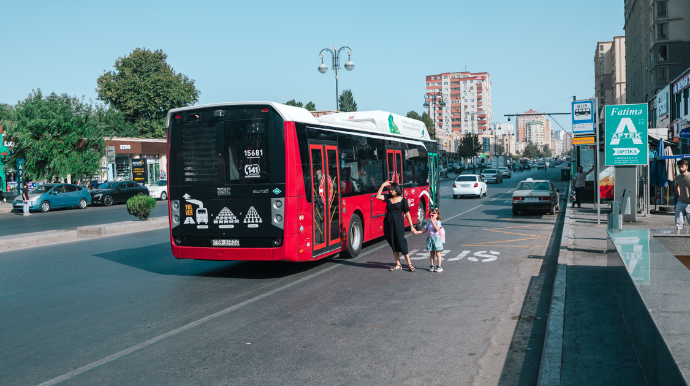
x=460, y=256
x=461, y=213
x=490, y=257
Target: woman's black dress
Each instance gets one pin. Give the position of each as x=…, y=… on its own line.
x=394, y=225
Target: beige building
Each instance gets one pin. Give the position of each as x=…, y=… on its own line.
x=467, y=97
x=609, y=72
x=657, y=45
x=521, y=123
x=535, y=133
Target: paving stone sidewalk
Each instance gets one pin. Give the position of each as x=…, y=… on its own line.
x=596, y=347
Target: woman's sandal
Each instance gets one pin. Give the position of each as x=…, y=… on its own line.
x=396, y=268
x=411, y=268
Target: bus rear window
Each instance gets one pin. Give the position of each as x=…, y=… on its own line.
x=247, y=150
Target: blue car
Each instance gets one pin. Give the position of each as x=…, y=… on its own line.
x=48, y=196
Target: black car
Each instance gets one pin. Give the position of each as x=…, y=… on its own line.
x=517, y=167
x=117, y=191
x=526, y=167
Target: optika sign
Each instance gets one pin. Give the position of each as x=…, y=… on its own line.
x=626, y=111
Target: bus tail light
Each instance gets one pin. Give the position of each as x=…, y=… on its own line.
x=175, y=212
x=278, y=212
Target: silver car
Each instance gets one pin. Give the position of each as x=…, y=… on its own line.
x=506, y=172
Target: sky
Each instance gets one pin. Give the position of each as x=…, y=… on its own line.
x=538, y=53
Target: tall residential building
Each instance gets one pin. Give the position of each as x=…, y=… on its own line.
x=521, y=123
x=609, y=72
x=657, y=45
x=535, y=133
x=468, y=104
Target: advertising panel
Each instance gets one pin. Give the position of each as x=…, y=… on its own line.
x=139, y=171
x=626, y=135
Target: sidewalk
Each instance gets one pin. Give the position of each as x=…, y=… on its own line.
x=5, y=207
x=594, y=346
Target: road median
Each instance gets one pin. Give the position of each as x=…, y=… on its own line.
x=37, y=239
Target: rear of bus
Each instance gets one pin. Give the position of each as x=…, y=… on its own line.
x=227, y=183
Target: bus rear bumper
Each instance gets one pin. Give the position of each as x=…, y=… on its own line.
x=286, y=252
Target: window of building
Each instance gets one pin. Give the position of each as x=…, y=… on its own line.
x=601, y=63
x=662, y=31
x=661, y=8
x=662, y=53
x=601, y=86
x=662, y=74
x=601, y=56
x=601, y=93
x=601, y=47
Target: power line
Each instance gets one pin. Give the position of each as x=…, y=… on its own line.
x=554, y=103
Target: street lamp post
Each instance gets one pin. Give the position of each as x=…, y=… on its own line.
x=335, y=58
x=436, y=100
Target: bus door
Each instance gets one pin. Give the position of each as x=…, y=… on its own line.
x=325, y=185
x=434, y=180
x=394, y=166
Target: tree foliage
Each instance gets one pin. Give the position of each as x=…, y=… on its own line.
x=426, y=119
x=530, y=151
x=310, y=106
x=292, y=102
x=57, y=136
x=144, y=87
x=346, y=102
x=469, y=146
x=501, y=149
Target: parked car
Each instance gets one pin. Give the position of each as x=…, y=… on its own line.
x=469, y=185
x=552, y=164
x=455, y=168
x=536, y=195
x=492, y=175
x=506, y=172
x=518, y=167
x=159, y=189
x=49, y=196
x=541, y=165
x=117, y=191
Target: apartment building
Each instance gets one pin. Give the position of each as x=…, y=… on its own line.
x=467, y=97
x=535, y=133
x=521, y=123
x=657, y=45
x=609, y=72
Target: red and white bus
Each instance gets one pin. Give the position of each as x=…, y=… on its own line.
x=267, y=181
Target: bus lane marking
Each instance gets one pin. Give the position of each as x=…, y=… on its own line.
x=460, y=256
x=492, y=256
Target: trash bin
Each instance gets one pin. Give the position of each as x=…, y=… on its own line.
x=565, y=174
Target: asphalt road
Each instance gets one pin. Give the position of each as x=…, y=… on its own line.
x=121, y=310
x=14, y=223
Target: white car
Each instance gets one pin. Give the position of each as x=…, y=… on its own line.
x=469, y=185
x=159, y=189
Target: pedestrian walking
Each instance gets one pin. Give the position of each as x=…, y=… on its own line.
x=579, y=178
x=434, y=239
x=25, y=197
x=393, y=223
x=682, y=181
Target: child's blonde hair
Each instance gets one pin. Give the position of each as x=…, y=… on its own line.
x=437, y=212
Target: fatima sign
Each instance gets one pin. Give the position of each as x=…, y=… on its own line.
x=626, y=135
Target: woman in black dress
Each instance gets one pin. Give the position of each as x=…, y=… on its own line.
x=393, y=224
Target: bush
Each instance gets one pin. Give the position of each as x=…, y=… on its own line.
x=140, y=206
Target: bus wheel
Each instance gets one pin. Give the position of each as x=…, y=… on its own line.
x=355, y=238
x=421, y=215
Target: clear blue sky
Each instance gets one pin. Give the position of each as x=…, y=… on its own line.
x=537, y=52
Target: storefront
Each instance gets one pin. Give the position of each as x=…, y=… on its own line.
x=680, y=111
x=135, y=159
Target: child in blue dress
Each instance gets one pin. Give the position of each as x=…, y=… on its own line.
x=435, y=238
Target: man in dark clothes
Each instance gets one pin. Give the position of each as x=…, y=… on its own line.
x=25, y=197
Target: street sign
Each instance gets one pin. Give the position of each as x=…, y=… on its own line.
x=583, y=117
x=20, y=173
x=626, y=139
x=583, y=140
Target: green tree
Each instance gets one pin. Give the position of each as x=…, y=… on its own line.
x=346, y=102
x=426, y=119
x=57, y=136
x=310, y=106
x=144, y=87
x=515, y=157
x=530, y=151
x=292, y=102
x=469, y=146
x=501, y=149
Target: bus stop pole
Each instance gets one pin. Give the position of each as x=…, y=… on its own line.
x=596, y=165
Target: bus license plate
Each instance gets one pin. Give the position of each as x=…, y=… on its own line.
x=226, y=243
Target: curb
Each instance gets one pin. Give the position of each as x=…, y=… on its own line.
x=552, y=353
x=6, y=210
x=30, y=240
